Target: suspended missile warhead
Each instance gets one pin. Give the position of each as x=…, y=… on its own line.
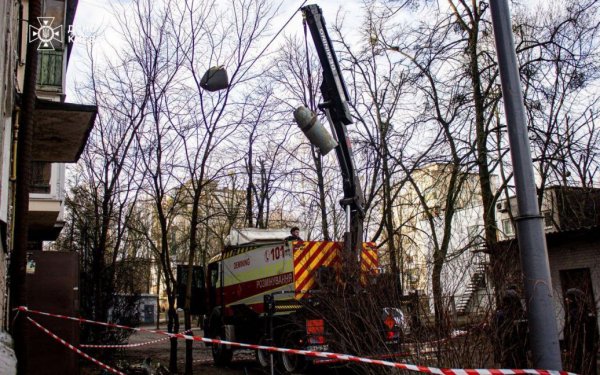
x=314, y=130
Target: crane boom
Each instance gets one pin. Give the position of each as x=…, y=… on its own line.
x=335, y=106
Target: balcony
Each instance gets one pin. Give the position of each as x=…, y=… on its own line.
x=61, y=130
x=46, y=201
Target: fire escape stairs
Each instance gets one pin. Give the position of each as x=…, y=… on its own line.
x=477, y=282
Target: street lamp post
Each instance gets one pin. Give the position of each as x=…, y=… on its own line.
x=543, y=333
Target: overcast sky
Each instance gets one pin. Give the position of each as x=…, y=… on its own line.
x=96, y=17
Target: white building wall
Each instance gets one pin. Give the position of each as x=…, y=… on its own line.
x=57, y=190
x=461, y=262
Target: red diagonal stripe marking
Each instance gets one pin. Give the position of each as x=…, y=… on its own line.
x=329, y=257
x=310, y=260
x=300, y=252
x=310, y=275
x=306, y=253
x=370, y=256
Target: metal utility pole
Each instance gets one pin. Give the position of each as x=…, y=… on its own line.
x=543, y=333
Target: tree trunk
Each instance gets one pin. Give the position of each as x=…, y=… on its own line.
x=158, y=272
x=172, y=319
x=387, y=207
x=487, y=196
x=438, y=301
x=172, y=327
x=322, y=201
x=190, y=276
x=250, y=188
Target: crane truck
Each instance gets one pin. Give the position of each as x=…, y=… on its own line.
x=263, y=290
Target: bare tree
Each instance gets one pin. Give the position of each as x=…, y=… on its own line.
x=430, y=52
x=216, y=36
x=378, y=80
x=262, y=142
x=297, y=75
x=151, y=58
x=557, y=49
x=107, y=173
x=184, y=120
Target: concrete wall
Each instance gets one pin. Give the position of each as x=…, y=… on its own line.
x=8, y=41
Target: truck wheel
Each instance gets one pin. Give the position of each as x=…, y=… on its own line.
x=221, y=354
x=263, y=357
x=291, y=363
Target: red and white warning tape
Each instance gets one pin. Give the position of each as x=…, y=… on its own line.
x=124, y=346
x=81, y=320
x=403, y=366
x=325, y=355
x=94, y=346
x=99, y=363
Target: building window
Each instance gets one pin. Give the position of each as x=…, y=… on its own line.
x=50, y=68
x=40, y=177
x=508, y=227
x=548, y=220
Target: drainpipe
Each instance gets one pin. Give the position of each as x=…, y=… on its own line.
x=18, y=258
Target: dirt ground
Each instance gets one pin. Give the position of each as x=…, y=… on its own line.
x=158, y=352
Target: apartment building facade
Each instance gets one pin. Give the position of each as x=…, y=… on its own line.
x=422, y=223
x=60, y=129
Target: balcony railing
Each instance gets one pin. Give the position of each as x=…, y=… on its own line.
x=50, y=69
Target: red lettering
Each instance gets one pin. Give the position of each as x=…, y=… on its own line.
x=241, y=263
x=276, y=253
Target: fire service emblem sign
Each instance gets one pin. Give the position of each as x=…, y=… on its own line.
x=49, y=37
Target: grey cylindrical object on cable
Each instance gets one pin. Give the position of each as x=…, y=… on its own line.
x=314, y=130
